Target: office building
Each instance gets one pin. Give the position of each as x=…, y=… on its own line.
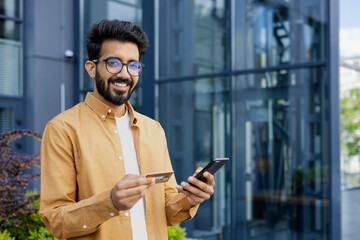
x=252, y=80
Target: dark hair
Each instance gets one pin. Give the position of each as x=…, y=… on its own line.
x=114, y=30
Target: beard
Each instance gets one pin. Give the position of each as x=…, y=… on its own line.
x=118, y=97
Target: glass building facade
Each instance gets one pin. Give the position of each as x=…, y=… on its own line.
x=252, y=80
x=248, y=80
x=11, y=67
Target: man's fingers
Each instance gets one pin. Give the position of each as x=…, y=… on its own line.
x=136, y=191
x=210, y=180
x=198, y=191
x=204, y=191
x=193, y=194
x=207, y=186
x=125, y=202
x=131, y=181
x=129, y=190
x=197, y=171
x=189, y=194
x=124, y=199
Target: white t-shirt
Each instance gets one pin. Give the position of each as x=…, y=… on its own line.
x=137, y=212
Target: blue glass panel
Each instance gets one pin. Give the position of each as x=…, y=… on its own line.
x=274, y=32
x=193, y=37
x=196, y=117
x=280, y=130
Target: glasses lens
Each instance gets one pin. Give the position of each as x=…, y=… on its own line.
x=134, y=68
x=113, y=65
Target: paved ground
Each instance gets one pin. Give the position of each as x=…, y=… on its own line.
x=350, y=207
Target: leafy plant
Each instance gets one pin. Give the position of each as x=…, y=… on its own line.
x=19, y=217
x=176, y=232
x=350, y=121
x=5, y=235
x=13, y=180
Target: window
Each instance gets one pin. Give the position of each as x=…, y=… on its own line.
x=11, y=48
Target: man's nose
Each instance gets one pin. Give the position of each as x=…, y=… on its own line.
x=124, y=72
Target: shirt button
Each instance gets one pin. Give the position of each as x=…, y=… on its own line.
x=115, y=131
x=103, y=116
x=84, y=227
x=126, y=214
x=120, y=157
x=112, y=214
x=109, y=111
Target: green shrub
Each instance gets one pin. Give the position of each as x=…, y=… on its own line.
x=27, y=226
x=40, y=233
x=5, y=235
x=176, y=232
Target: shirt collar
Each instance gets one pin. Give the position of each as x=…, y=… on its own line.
x=104, y=111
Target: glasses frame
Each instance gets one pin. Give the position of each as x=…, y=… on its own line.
x=122, y=65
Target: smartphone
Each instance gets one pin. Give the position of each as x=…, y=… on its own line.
x=160, y=177
x=211, y=167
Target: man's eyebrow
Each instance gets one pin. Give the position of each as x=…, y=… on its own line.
x=113, y=57
x=131, y=60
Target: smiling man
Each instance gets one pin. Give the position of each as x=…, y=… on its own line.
x=94, y=156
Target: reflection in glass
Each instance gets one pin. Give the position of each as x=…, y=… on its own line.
x=134, y=2
x=197, y=131
x=275, y=33
x=115, y=10
x=10, y=8
x=9, y=30
x=197, y=36
x=280, y=134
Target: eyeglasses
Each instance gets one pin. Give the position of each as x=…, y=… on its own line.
x=114, y=66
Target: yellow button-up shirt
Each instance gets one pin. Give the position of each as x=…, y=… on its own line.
x=81, y=161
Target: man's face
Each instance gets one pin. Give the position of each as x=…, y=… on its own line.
x=116, y=89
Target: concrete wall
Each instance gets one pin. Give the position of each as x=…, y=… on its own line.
x=48, y=74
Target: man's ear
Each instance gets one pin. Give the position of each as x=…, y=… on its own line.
x=90, y=68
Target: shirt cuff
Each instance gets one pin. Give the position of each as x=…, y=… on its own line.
x=106, y=208
x=184, y=203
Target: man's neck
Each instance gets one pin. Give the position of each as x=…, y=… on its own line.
x=119, y=111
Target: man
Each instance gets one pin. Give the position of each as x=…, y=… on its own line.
x=94, y=156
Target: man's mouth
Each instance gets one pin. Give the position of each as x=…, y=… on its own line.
x=120, y=84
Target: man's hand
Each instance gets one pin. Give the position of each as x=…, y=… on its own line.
x=129, y=190
x=203, y=192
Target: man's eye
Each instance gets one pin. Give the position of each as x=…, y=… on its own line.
x=134, y=65
x=113, y=63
